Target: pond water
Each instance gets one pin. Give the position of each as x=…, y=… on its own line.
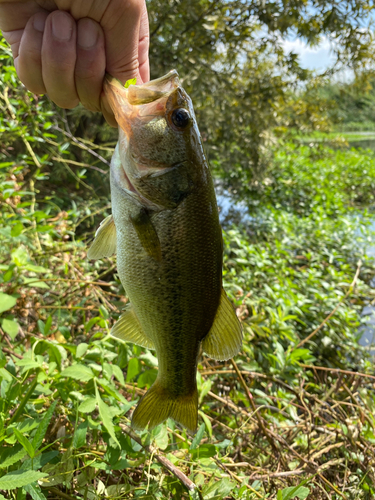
x=236, y=212
x=368, y=313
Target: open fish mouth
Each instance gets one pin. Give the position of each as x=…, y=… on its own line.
x=136, y=95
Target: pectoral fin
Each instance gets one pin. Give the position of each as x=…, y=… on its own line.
x=129, y=329
x=104, y=244
x=224, y=340
x=147, y=234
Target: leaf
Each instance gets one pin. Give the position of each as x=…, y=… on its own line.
x=40, y=460
x=117, y=372
x=32, y=282
x=162, y=438
x=207, y=422
x=79, y=438
x=81, y=350
x=25, y=443
x=204, y=451
x=147, y=378
x=20, y=478
x=78, y=372
x=10, y=327
x=134, y=367
x=43, y=426
x=6, y=302
x=132, y=81
x=294, y=491
x=33, y=489
x=198, y=437
x=9, y=456
x=105, y=415
x=88, y=405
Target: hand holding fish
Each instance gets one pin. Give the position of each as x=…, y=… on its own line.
x=64, y=47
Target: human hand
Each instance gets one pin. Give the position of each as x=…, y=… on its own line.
x=64, y=47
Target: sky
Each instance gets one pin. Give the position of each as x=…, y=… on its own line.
x=316, y=58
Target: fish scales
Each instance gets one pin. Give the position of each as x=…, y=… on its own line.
x=169, y=246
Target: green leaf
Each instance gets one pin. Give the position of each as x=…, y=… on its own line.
x=207, y=422
x=9, y=456
x=294, y=491
x=25, y=443
x=161, y=438
x=43, y=426
x=105, y=415
x=194, y=494
x=79, y=438
x=132, y=81
x=78, y=372
x=32, y=282
x=134, y=367
x=117, y=372
x=33, y=489
x=147, y=378
x=198, y=437
x=81, y=350
x=40, y=460
x=10, y=327
x=204, y=451
x=19, y=478
x=6, y=302
x=88, y=405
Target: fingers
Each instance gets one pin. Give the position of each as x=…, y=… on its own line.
x=29, y=62
x=90, y=63
x=143, y=46
x=59, y=59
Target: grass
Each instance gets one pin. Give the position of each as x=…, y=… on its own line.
x=291, y=417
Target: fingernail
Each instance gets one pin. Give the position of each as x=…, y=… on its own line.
x=62, y=26
x=39, y=22
x=87, y=35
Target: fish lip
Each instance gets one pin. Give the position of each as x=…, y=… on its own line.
x=144, y=93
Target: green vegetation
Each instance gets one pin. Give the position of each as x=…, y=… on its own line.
x=292, y=417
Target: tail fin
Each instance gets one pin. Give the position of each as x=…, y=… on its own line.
x=158, y=404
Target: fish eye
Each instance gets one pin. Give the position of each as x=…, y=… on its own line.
x=181, y=117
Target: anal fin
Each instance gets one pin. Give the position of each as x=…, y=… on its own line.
x=129, y=329
x=104, y=244
x=224, y=340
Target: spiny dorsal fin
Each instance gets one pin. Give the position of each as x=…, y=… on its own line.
x=129, y=329
x=104, y=244
x=224, y=340
x=147, y=234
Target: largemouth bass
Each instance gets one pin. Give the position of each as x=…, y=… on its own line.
x=165, y=229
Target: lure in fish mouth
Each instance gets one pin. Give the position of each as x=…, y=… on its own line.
x=165, y=230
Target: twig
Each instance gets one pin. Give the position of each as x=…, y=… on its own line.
x=82, y=146
x=79, y=164
x=334, y=310
x=8, y=351
x=253, y=406
x=338, y=370
x=288, y=473
x=37, y=280
x=188, y=483
x=332, y=486
x=237, y=478
x=61, y=494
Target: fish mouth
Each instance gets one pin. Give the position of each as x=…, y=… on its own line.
x=136, y=95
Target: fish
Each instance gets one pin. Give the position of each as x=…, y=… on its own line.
x=166, y=233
